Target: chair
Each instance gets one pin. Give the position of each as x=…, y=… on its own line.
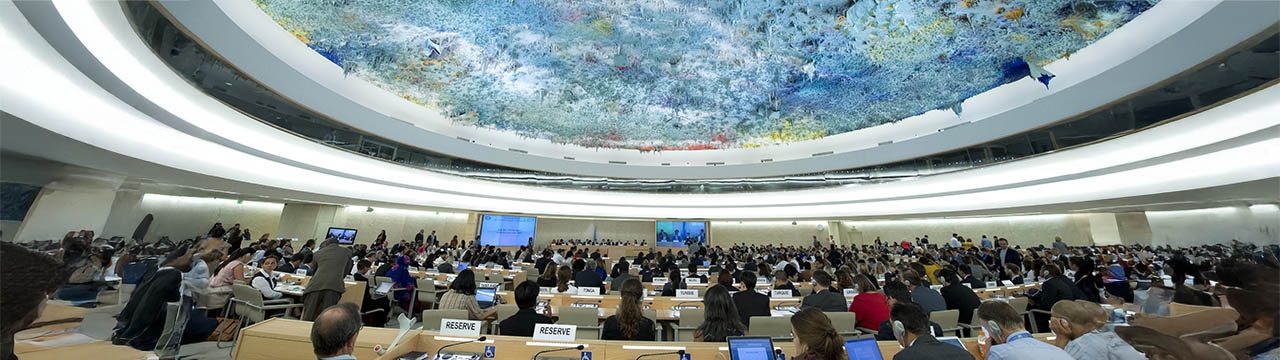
x=690, y=320
x=846, y=323
x=427, y=292
x=652, y=314
x=778, y=328
x=587, y=320
x=947, y=319
x=391, y=295
x=249, y=306
x=1019, y=305
x=431, y=318
x=504, y=311
x=170, y=340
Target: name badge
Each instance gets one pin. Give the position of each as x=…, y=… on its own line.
x=776, y=294
x=693, y=280
x=687, y=293
x=464, y=328
x=659, y=281
x=762, y=281
x=553, y=332
x=850, y=292
x=591, y=290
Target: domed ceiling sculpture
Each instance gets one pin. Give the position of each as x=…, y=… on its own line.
x=696, y=74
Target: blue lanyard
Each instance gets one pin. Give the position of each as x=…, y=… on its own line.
x=1018, y=336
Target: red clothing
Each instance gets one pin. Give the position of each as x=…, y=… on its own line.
x=871, y=309
x=906, y=245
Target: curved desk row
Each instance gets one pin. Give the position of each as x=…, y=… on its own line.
x=281, y=339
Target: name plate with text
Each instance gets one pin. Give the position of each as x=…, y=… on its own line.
x=487, y=284
x=687, y=293
x=780, y=294
x=659, y=281
x=553, y=332
x=464, y=328
x=547, y=290
x=850, y=292
x=589, y=290
x=585, y=305
x=693, y=280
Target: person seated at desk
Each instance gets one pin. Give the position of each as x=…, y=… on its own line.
x=402, y=279
x=720, y=318
x=621, y=274
x=896, y=292
x=822, y=296
x=563, y=276
x=370, y=303
x=693, y=272
x=292, y=265
x=629, y=323
x=674, y=282
x=1079, y=327
x=543, y=261
x=1014, y=273
x=264, y=280
x=782, y=280
x=523, y=321
x=141, y=323
x=462, y=296
x=333, y=335
x=548, y=278
x=922, y=294
x=815, y=337
x=870, y=306
x=584, y=275
x=1008, y=338
x=28, y=279
x=446, y=266
x=965, y=277
x=911, y=330
x=308, y=263
x=957, y=296
x=748, y=301
x=232, y=269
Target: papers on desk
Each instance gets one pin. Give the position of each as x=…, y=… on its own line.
x=289, y=288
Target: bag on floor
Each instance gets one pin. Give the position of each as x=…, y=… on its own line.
x=226, y=329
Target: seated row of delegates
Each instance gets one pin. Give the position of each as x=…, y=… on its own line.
x=462, y=296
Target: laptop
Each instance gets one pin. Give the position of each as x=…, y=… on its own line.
x=462, y=266
x=750, y=348
x=863, y=349
x=383, y=289
x=485, y=296
x=953, y=341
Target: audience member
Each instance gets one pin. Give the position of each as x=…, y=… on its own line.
x=822, y=296
x=27, y=279
x=958, y=296
x=815, y=337
x=376, y=319
x=1078, y=325
x=141, y=323
x=870, y=305
x=629, y=323
x=524, y=320
x=911, y=330
x=333, y=335
x=928, y=298
x=1008, y=338
x=462, y=296
x=332, y=263
x=721, y=318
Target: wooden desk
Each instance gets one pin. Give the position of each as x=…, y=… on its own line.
x=278, y=339
x=353, y=293
x=614, y=251
x=93, y=350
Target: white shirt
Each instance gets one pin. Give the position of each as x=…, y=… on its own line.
x=559, y=259
x=197, y=278
x=1102, y=345
x=572, y=290
x=955, y=243
x=264, y=287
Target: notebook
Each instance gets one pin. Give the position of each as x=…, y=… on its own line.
x=750, y=348
x=864, y=349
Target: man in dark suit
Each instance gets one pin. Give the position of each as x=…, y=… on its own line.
x=749, y=302
x=822, y=296
x=1007, y=255
x=1057, y=288
x=431, y=239
x=897, y=293
x=332, y=263
x=968, y=278
x=418, y=238
x=524, y=320
x=959, y=297
x=911, y=330
x=584, y=277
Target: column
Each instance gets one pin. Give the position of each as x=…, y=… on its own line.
x=307, y=221
x=1134, y=228
x=1103, y=229
x=75, y=202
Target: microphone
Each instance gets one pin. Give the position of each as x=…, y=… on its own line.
x=438, y=351
x=535, y=356
x=680, y=305
x=677, y=352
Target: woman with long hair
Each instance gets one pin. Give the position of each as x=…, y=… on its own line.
x=462, y=296
x=815, y=338
x=562, y=281
x=870, y=306
x=629, y=323
x=721, y=318
x=231, y=270
x=548, y=278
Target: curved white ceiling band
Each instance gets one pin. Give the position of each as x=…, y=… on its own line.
x=1162, y=42
x=106, y=33
x=43, y=81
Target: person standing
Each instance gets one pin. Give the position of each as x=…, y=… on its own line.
x=234, y=237
x=331, y=265
x=419, y=237
x=431, y=239
x=1006, y=255
x=1059, y=245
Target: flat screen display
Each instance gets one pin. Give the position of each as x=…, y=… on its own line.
x=677, y=233
x=865, y=349
x=750, y=348
x=504, y=230
x=484, y=296
x=344, y=235
x=952, y=340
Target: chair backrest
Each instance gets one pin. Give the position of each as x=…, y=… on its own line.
x=692, y=317
x=1018, y=303
x=947, y=319
x=507, y=310
x=426, y=285
x=777, y=327
x=382, y=279
x=431, y=318
x=844, y=322
x=578, y=316
x=251, y=296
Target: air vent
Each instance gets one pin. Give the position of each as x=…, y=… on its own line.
x=518, y=150
x=823, y=153
x=465, y=139
x=569, y=158
x=953, y=126
x=885, y=143
x=716, y=163
x=766, y=160
x=666, y=164
x=617, y=162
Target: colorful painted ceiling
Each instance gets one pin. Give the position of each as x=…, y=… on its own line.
x=694, y=74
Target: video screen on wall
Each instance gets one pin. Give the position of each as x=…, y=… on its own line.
x=505, y=230
x=677, y=233
x=344, y=235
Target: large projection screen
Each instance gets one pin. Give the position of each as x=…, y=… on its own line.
x=677, y=233
x=506, y=230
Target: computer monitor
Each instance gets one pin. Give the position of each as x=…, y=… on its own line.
x=462, y=266
x=750, y=348
x=484, y=296
x=953, y=341
x=863, y=349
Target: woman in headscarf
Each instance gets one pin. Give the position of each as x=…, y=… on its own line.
x=1116, y=284
x=401, y=279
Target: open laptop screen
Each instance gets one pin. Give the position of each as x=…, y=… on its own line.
x=484, y=296
x=463, y=266
x=750, y=348
x=864, y=349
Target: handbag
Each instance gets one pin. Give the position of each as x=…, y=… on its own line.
x=226, y=330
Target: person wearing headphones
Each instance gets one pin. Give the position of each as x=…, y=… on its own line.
x=911, y=330
x=1008, y=338
x=1079, y=327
